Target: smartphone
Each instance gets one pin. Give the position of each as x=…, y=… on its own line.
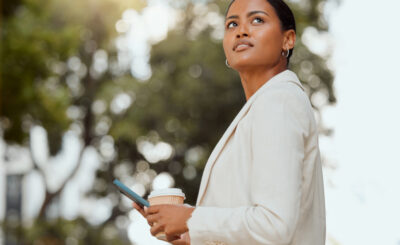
x=131, y=194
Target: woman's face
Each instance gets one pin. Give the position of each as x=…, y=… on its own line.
x=253, y=35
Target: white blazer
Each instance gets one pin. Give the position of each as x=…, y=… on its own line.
x=263, y=181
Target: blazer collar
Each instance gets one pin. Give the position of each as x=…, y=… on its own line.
x=285, y=76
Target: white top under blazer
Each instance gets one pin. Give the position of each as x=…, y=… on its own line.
x=263, y=183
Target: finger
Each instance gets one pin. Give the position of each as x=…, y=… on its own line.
x=172, y=237
x=153, y=218
x=179, y=242
x=138, y=208
x=153, y=209
x=156, y=229
x=185, y=236
x=135, y=205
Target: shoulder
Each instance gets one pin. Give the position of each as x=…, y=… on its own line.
x=283, y=86
x=283, y=94
x=283, y=103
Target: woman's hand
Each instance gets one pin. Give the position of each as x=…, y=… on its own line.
x=139, y=209
x=170, y=219
x=183, y=240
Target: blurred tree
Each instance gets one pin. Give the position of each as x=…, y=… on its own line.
x=48, y=55
x=59, y=71
x=61, y=231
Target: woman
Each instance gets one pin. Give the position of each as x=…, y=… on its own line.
x=263, y=181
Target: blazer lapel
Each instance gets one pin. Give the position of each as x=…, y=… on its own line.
x=218, y=149
x=288, y=76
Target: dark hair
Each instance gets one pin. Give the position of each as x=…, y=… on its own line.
x=285, y=16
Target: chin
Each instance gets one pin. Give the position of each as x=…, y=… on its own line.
x=246, y=63
x=249, y=62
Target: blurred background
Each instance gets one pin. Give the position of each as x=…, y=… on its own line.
x=93, y=90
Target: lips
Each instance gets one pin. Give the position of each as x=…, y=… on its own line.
x=242, y=45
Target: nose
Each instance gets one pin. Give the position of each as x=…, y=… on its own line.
x=239, y=35
x=242, y=31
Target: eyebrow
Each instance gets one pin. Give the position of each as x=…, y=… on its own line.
x=248, y=15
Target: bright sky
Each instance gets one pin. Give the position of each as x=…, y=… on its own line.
x=363, y=206
x=362, y=194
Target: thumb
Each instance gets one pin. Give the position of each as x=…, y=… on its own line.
x=179, y=242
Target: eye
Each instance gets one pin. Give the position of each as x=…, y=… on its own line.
x=258, y=20
x=231, y=24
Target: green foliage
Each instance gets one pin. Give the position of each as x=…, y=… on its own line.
x=31, y=92
x=36, y=41
x=62, y=232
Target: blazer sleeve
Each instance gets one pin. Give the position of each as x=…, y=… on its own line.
x=279, y=125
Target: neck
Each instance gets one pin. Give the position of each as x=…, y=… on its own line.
x=255, y=77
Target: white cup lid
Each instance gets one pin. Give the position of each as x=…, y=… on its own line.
x=167, y=192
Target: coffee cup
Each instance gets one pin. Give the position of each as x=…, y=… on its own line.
x=166, y=196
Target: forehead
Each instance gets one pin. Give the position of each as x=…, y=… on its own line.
x=239, y=7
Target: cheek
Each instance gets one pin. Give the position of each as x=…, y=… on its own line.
x=226, y=44
x=270, y=41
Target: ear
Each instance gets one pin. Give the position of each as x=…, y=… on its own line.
x=289, y=39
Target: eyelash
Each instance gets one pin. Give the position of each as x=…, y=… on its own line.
x=233, y=22
x=258, y=18
x=228, y=25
